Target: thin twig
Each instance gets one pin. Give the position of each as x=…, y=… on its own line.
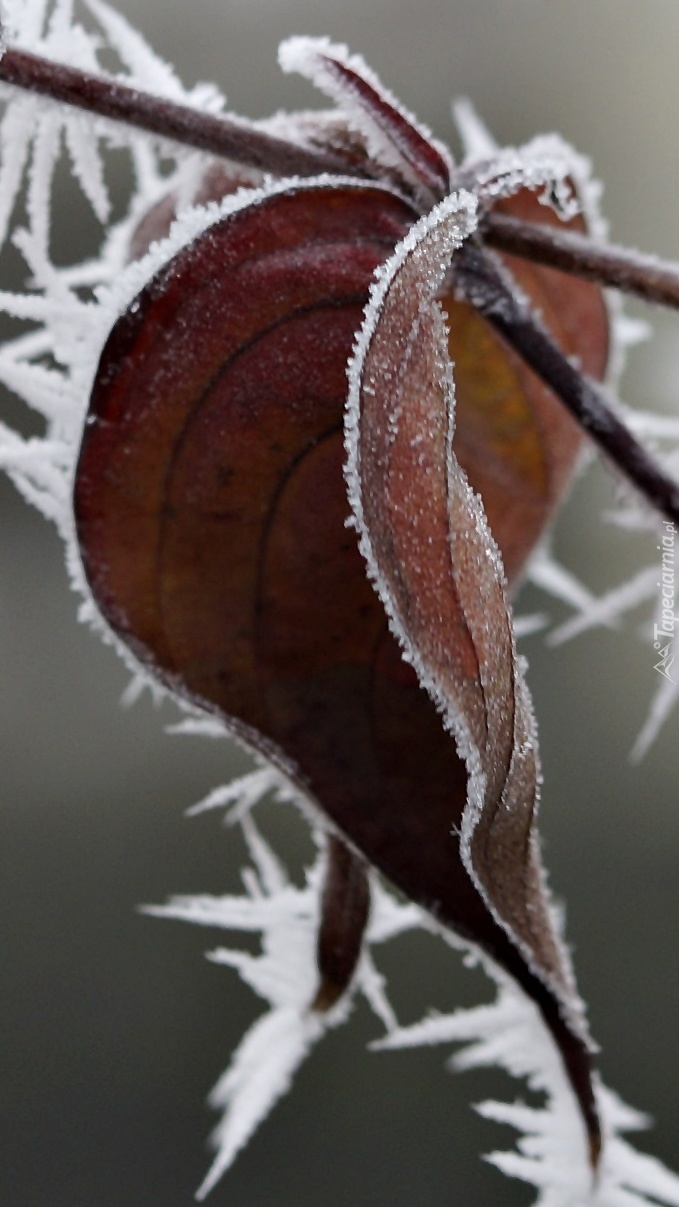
x=644, y=276
x=490, y=289
x=220, y=136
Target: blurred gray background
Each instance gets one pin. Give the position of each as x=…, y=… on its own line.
x=113, y=1026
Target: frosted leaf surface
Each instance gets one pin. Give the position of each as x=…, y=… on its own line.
x=71, y=333
x=438, y=572
x=394, y=136
x=546, y=162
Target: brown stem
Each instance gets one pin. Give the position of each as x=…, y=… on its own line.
x=644, y=276
x=490, y=288
x=345, y=905
x=218, y=136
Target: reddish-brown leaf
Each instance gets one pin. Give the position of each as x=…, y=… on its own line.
x=515, y=441
x=394, y=137
x=211, y=514
x=435, y=564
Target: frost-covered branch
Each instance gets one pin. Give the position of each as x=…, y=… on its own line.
x=487, y=285
x=632, y=272
x=218, y=135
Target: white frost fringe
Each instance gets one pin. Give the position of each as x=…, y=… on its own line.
x=551, y=1148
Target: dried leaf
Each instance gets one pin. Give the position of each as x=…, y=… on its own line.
x=439, y=574
x=515, y=441
x=212, y=520
x=393, y=136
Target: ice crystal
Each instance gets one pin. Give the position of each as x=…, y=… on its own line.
x=283, y=974
x=550, y=1152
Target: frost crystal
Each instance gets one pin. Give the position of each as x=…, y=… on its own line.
x=70, y=311
x=284, y=974
x=549, y=1153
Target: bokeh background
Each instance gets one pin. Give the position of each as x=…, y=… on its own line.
x=113, y=1025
